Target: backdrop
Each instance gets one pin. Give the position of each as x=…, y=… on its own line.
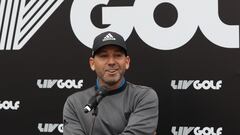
x=188, y=51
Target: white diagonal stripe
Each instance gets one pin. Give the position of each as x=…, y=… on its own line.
x=29, y=5
x=12, y=24
x=5, y=24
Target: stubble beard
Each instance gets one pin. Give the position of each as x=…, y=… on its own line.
x=110, y=81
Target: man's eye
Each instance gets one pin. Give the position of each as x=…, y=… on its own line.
x=119, y=55
x=103, y=55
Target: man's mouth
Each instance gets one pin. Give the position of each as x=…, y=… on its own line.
x=111, y=71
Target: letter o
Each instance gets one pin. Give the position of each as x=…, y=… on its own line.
x=69, y=83
x=165, y=38
x=206, y=85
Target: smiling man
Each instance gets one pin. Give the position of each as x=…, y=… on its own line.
x=119, y=107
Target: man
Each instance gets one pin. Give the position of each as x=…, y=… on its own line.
x=118, y=107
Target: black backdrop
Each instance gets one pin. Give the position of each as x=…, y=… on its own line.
x=55, y=53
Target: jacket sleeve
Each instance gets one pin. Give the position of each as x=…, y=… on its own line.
x=71, y=122
x=144, y=118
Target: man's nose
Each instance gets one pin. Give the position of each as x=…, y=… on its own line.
x=111, y=61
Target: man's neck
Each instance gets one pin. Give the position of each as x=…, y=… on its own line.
x=112, y=87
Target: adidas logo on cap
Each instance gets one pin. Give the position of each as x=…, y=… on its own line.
x=108, y=37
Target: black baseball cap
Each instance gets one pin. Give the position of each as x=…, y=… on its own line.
x=108, y=38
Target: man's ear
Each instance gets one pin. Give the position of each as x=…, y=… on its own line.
x=92, y=63
x=127, y=62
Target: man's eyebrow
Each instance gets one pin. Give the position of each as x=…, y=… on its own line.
x=119, y=50
x=102, y=51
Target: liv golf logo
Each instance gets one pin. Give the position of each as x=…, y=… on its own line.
x=68, y=84
x=196, y=130
x=9, y=105
x=197, y=84
x=19, y=20
x=50, y=127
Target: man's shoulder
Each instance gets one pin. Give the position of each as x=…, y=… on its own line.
x=142, y=94
x=141, y=89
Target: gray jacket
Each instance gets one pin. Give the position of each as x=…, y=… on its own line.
x=131, y=110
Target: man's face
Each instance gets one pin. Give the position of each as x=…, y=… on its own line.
x=110, y=64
